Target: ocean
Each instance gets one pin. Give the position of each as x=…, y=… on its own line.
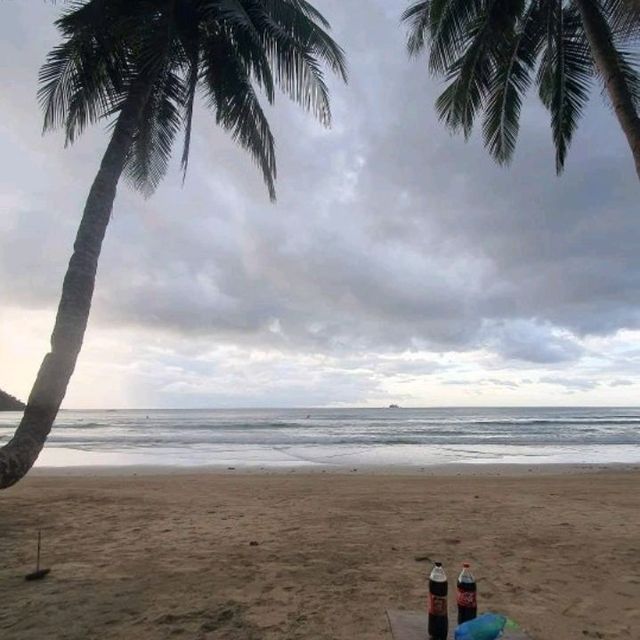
x=339, y=438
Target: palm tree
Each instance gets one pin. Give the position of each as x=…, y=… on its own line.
x=142, y=64
x=490, y=52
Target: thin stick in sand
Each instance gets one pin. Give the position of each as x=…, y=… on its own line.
x=39, y=573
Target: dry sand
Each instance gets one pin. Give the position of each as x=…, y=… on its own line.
x=231, y=556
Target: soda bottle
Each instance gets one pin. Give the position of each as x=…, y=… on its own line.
x=438, y=619
x=466, y=595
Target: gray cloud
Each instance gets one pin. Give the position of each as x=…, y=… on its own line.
x=389, y=235
x=570, y=384
x=621, y=383
x=532, y=342
x=485, y=382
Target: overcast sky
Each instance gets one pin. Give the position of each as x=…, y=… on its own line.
x=398, y=265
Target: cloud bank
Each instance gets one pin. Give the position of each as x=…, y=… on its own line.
x=399, y=262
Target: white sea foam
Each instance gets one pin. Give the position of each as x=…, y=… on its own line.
x=340, y=437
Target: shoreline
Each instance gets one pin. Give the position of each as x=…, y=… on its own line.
x=490, y=470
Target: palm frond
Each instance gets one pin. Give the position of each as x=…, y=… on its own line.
x=488, y=52
x=57, y=79
x=451, y=22
x=231, y=94
x=620, y=49
x=418, y=19
x=192, y=49
x=297, y=47
x=232, y=16
x=238, y=22
x=309, y=11
x=564, y=76
x=629, y=63
x=623, y=17
x=300, y=25
x=84, y=77
x=159, y=125
x=471, y=76
x=231, y=49
x=619, y=26
x=515, y=64
x=300, y=20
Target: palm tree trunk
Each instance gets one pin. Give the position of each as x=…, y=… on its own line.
x=608, y=63
x=19, y=454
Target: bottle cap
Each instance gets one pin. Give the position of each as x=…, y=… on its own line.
x=466, y=565
x=438, y=564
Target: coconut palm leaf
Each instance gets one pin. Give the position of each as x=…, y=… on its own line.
x=565, y=75
x=471, y=75
x=511, y=78
x=489, y=53
x=83, y=78
x=297, y=48
x=159, y=126
x=231, y=95
x=619, y=26
x=192, y=61
x=623, y=17
x=418, y=17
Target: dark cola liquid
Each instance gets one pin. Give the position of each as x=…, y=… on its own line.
x=438, y=618
x=467, y=601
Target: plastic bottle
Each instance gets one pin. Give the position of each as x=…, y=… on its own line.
x=466, y=595
x=438, y=617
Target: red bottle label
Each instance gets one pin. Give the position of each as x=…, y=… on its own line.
x=467, y=599
x=437, y=605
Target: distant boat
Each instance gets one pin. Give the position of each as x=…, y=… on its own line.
x=394, y=406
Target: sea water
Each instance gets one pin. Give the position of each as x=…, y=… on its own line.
x=280, y=438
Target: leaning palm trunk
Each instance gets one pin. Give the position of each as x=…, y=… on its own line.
x=608, y=63
x=160, y=55
x=19, y=454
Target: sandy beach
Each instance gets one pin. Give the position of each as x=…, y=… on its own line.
x=291, y=555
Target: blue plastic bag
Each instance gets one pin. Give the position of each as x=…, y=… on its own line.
x=488, y=626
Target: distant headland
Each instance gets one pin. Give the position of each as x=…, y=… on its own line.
x=9, y=403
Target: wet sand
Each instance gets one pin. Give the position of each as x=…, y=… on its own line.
x=315, y=556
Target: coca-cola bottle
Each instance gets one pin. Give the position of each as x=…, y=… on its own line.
x=466, y=595
x=438, y=618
